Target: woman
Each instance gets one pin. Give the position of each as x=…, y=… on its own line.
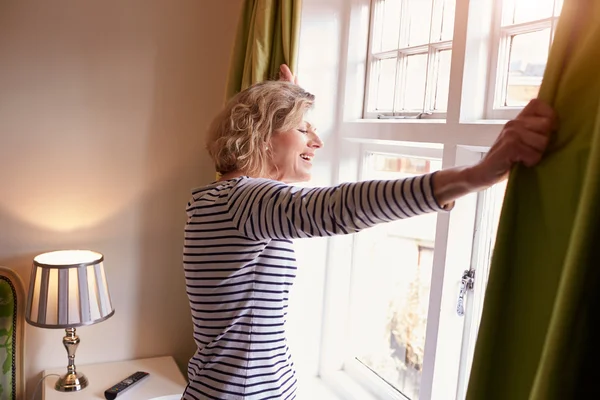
x=238, y=258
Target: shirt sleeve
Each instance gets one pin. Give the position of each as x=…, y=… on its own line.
x=266, y=209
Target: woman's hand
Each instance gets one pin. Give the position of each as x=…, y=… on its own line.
x=522, y=140
x=285, y=74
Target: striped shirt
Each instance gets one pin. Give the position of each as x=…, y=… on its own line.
x=239, y=266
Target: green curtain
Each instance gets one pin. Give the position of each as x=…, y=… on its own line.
x=267, y=36
x=539, y=332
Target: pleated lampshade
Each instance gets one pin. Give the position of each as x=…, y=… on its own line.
x=68, y=289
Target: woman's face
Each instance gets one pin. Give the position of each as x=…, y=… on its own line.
x=293, y=151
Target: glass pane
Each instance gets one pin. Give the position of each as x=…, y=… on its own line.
x=448, y=19
x=558, y=7
x=386, y=84
x=378, y=10
x=391, y=285
x=527, y=63
x=414, y=87
x=419, y=22
x=527, y=10
x=443, y=80
x=391, y=25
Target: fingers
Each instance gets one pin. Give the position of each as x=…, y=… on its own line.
x=532, y=131
x=528, y=155
x=507, y=152
x=523, y=145
x=539, y=108
x=541, y=125
x=522, y=140
x=533, y=127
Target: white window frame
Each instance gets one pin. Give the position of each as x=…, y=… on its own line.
x=336, y=70
x=451, y=257
x=432, y=49
x=499, y=58
x=354, y=368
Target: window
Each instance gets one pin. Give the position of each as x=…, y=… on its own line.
x=410, y=53
x=525, y=32
x=389, y=325
x=411, y=50
x=391, y=284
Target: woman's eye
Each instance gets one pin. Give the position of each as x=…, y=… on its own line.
x=304, y=131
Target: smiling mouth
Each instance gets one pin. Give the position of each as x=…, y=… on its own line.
x=306, y=157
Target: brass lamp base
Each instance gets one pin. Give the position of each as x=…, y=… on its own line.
x=71, y=382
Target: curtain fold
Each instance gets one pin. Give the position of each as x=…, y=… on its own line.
x=537, y=338
x=267, y=36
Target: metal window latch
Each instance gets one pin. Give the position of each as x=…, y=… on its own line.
x=466, y=283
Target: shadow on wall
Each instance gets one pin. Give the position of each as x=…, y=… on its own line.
x=102, y=118
x=191, y=66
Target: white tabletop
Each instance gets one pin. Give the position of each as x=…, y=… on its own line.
x=165, y=379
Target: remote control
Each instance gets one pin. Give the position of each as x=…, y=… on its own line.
x=114, y=391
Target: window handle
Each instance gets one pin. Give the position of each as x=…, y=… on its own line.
x=466, y=283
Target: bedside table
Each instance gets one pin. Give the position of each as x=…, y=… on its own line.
x=164, y=379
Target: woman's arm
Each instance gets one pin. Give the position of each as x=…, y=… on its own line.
x=266, y=209
x=523, y=139
x=263, y=209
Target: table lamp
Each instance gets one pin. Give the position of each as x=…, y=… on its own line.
x=68, y=289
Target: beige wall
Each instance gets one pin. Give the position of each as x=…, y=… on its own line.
x=102, y=110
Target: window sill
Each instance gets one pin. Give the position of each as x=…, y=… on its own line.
x=498, y=121
x=316, y=388
x=484, y=122
x=399, y=121
x=345, y=387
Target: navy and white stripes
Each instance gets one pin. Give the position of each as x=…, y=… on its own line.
x=239, y=265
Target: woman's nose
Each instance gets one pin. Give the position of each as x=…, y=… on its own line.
x=315, y=141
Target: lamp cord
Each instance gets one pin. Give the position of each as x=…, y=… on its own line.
x=39, y=382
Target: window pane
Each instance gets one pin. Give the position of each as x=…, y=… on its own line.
x=558, y=7
x=527, y=63
x=448, y=19
x=419, y=22
x=414, y=83
x=391, y=284
x=527, y=10
x=443, y=20
x=443, y=80
x=386, y=84
x=391, y=25
x=377, y=26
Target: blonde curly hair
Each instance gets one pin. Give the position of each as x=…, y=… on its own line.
x=238, y=137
